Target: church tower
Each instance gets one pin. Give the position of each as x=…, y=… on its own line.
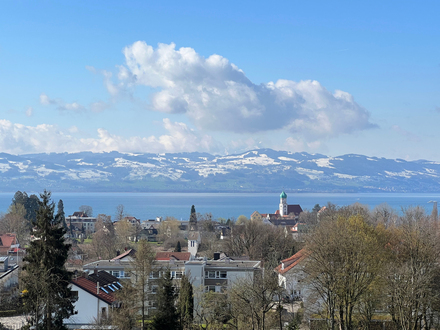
x=283, y=204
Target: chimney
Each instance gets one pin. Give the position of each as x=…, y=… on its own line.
x=97, y=287
x=95, y=271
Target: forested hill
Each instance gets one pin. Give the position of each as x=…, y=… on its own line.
x=262, y=170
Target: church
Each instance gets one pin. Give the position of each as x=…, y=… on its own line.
x=286, y=215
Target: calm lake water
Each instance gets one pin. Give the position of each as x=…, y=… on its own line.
x=149, y=205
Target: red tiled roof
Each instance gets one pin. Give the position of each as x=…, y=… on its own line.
x=291, y=262
x=125, y=254
x=176, y=255
x=90, y=287
x=6, y=240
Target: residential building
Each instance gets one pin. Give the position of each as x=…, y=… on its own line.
x=95, y=298
x=216, y=275
x=80, y=225
x=8, y=279
x=6, y=243
x=293, y=279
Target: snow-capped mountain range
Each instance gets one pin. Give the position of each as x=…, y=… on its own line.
x=261, y=170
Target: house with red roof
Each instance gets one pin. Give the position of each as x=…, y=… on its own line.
x=95, y=298
x=6, y=241
x=292, y=277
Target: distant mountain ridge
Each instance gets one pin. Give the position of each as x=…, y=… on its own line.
x=260, y=170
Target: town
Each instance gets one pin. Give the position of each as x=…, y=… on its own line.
x=328, y=267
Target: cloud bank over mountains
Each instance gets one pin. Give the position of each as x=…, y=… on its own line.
x=21, y=139
x=212, y=93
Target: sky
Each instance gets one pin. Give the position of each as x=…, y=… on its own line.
x=330, y=77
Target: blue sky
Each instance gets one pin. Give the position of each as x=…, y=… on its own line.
x=221, y=77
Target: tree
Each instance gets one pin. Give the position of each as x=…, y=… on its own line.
x=61, y=214
x=193, y=219
x=124, y=230
x=254, y=298
x=30, y=204
x=120, y=212
x=242, y=219
x=412, y=281
x=141, y=268
x=46, y=295
x=345, y=257
x=169, y=229
x=178, y=247
x=185, y=303
x=124, y=317
x=104, y=239
x=87, y=210
x=260, y=242
x=166, y=316
x=14, y=222
x=316, y=208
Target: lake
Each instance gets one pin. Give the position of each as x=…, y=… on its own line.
x=225, y=205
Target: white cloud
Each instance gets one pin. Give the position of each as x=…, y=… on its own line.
x=29, y=112
x=20, y=139
x=215, y=94
x=74, y=106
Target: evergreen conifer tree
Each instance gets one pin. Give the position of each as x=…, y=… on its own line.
x=61, y=215
x=186, y=303
x=178, y=247
x=46, y=295
x=193, y=219
x=166, y=316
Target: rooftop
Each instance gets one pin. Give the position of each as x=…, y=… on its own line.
x=289, y=263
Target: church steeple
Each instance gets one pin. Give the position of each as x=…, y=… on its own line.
x=283, y=204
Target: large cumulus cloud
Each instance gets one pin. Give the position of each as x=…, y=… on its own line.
x=216, y=95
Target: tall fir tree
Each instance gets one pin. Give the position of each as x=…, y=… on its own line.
x=61, y=215
x=193, y=219
x=185, y=303
x=46, y=295
x=178, y=247
x=166, y=316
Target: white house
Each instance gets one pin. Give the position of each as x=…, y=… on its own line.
x=293, y=279
x=95, y=298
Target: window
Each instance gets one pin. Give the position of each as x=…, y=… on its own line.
x=103, y=312
x=154, y=274
x=210, y=288
x=215, y=274
x=214, y=288
x=176, y=275
x=115, y=273
x=154, y=289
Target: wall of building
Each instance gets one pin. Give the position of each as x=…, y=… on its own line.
x=88, y=307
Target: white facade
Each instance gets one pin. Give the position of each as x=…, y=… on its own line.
x=88, y=308
x=283, y=206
